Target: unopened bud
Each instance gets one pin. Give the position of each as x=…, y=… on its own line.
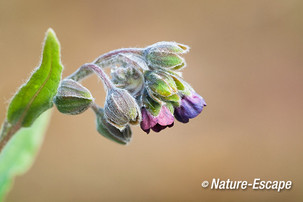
x=109, y=131
x=160, y=83
x=166, y=55
x=121, y=108
x=72, y=98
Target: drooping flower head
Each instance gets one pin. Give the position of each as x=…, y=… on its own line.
x=155, y=81
x=146, y=87
x=166, y=91
x=158, y=97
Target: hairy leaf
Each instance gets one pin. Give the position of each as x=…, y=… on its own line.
x=36, y=95
x=19, y=153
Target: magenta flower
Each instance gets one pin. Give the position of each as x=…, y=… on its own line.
x=190, y=107
x=156, y=123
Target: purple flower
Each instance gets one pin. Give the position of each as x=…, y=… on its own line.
x=190, y=107
x=157, y=123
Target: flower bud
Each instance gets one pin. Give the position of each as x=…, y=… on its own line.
x=160, y=83
x=121, y=108
x=111, y=132
x=72, y=98
x=166, y=55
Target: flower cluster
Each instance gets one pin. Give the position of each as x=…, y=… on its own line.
x=164, y=93
x=146, y=87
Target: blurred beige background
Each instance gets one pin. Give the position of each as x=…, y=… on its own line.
x=245, y=60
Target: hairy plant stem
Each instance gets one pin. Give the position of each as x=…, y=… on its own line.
x=7, y=132
x=102, y=61
x=95, y=107
x=101, y=74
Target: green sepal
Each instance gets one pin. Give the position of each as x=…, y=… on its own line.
x=121, y=108
x=183, y=87
x=166, y=55
x=72, y=105
x=151, y=104
x=172, y=98
x=164, y=59
x=72, y=98
x=160, y=83
x=170, y=47
x=170, y=106
x=179, y=83
x=187, y=90
x=179, y=67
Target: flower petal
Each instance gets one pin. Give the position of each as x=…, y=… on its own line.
x=194, y=105
x=179, y=115
x=191, y=106
x=148, y=120
x=145, y=120
x=165, y=117
x=157, y=128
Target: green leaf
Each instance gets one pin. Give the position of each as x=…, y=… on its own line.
x=19, y=153
x=36, y=95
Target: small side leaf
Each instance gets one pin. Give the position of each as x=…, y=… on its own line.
x=19, y=153
x=36, y=95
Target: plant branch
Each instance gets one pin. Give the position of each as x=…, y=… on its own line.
x=103, y=61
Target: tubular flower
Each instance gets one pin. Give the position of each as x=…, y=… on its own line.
x=157, y=123
x=166, y=95
x=190, y=107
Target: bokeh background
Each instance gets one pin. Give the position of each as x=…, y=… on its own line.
x=245, y=60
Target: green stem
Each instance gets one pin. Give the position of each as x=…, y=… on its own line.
x=7, y=132
x=99, y=72
x=95, y=107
